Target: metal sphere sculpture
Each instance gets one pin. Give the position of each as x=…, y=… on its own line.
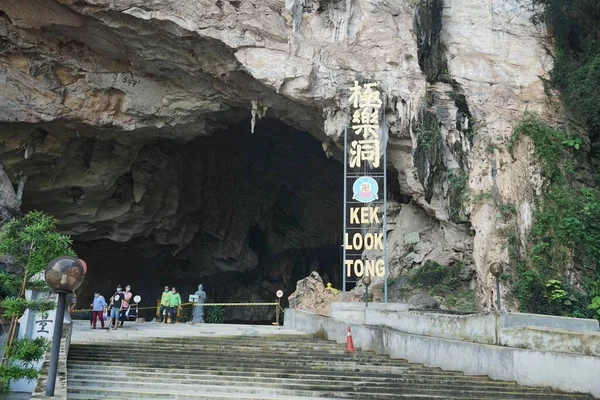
x=64, y=273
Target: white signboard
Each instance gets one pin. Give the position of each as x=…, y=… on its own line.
x=34, y=325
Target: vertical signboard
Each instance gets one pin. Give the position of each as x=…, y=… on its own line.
x=365, y=139
x=34, y=324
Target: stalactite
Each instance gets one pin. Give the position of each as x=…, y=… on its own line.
x=259, y=111
x=295, y=8
x=21, y=187
x=253, y=112
x=29, y=149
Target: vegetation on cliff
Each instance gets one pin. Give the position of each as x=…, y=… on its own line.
x=557, y=272
x=576, y=73
x=565, y=231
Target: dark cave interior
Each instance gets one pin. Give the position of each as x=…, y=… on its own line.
x=245, y=214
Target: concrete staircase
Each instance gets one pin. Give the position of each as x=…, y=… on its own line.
x=271, y=367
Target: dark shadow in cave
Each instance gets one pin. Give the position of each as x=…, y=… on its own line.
x=255, y=213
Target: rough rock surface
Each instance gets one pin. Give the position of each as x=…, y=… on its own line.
x=311, y=295
x=101, y=98
x=423, y=300
x=9, y=204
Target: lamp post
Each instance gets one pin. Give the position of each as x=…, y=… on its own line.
x=278, y=306
x=497, y=269
x=63, y=275
x=366, y=281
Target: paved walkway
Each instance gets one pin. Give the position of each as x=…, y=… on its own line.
x=83, y=333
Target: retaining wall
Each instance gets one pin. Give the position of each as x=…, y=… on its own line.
x=60, y=388
x=531, y=331
x=566, y=372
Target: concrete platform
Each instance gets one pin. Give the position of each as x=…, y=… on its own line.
x=83, y=333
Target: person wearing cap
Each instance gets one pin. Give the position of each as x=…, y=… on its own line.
x=115, y=308
x=98, y=306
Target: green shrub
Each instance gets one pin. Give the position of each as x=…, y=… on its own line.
x=29, y=350
x=595, y=305
x=16, y=306
x=215, y=314
x=574, y=142
x=33, y=241
x=10, y=373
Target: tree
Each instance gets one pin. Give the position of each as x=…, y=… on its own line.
x=30, y=242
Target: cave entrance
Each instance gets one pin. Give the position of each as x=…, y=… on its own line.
x=245, y=214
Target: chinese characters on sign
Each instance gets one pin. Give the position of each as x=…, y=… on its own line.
x=364, y=236
x=365, y=105
x=46, y=322
x=42, y=323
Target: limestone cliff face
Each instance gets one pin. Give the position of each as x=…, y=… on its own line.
x=89, y=87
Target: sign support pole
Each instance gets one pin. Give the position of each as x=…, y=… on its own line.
x=279, y=294
x=384, y=219
x=344, y=209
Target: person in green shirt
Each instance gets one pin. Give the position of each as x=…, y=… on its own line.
x=174, y=304
x=164, y=305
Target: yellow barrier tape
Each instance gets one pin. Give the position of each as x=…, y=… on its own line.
x=236, y=304
x=187, y=304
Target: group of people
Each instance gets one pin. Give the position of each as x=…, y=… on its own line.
x=170, y=304
x=116, y=308
x=118, y=304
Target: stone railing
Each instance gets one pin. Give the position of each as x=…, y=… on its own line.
x=60, y=391
x=467, y=345
x=529, y=331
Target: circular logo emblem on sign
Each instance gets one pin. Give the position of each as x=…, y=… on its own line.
x=137, y=299
x=365, y=189
x=279, y=293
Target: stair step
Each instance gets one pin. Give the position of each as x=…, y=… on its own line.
x=264, y=367
x=328, y=386
x=252, y=371
x=252, y=392
x=298, y=367
x=250, y=356
x=153, y=374
x=339, y=366
x=143, y=395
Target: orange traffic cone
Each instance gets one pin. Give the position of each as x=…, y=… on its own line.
x=349, y=343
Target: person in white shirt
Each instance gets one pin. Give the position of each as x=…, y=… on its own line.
x=125, y=304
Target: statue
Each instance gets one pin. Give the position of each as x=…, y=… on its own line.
x=198, y=311
x=332, y=289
